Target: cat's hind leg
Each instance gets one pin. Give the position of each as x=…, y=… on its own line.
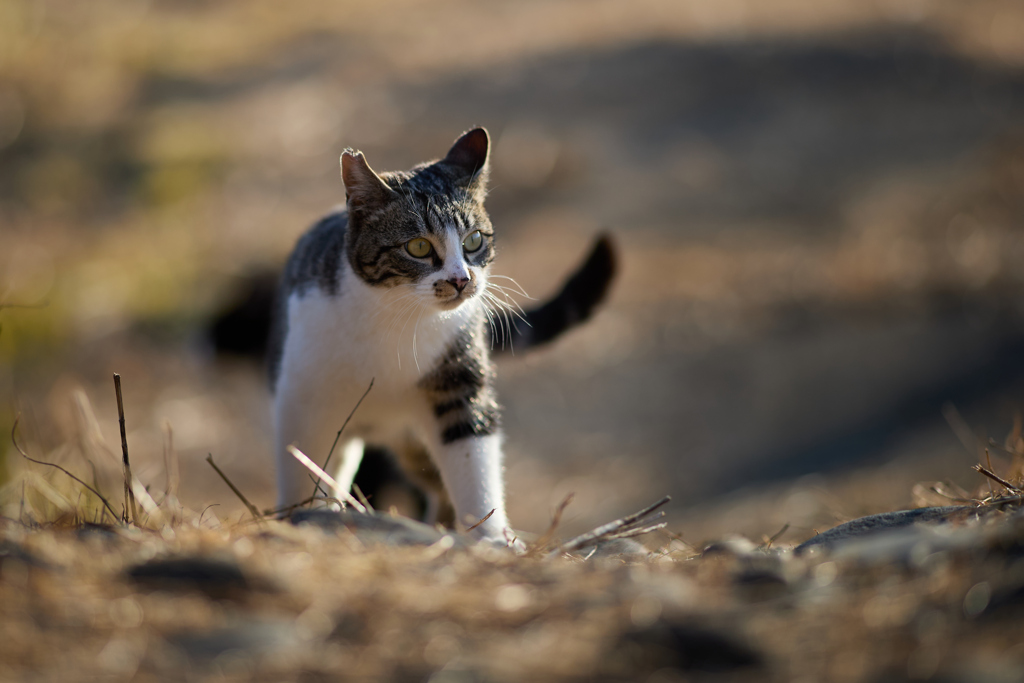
x=349, y=455
x=420, y=470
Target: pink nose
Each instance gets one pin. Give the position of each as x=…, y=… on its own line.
x=459, y=283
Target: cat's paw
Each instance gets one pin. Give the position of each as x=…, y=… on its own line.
x=506, y=540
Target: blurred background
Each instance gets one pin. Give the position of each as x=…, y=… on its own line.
x=820, y=209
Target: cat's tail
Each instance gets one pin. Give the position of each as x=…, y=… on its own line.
x=575, y=303
x=243, y=327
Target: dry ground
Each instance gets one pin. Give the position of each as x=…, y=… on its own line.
x=819, y=210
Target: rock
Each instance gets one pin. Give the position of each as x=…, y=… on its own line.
x=251, y=641
x=11, y=551
x=217, y=578
x=685, y=647
x=884, y=522
x=373, y=529
x=621, y=548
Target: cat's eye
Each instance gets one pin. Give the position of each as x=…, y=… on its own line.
x=473, y=241
x=418, y=247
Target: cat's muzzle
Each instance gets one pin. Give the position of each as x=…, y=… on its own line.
x=451, y=293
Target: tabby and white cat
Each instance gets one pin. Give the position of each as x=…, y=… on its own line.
x=396, y=289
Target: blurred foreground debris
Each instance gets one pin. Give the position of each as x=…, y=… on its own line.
x=340, y=594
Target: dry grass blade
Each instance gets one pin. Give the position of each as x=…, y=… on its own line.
x=171, y=468
x=149, y=506
x=957, y=498
x=95, y=492
x=252, y=508
x=960, y=428
x=482, y=520
x=129, y=495
x=774, y=537
x=316, y=469
x=541, y=543
x=995, y=477
x=640, y=531
x=619, y=526
x=988, y=459
x=274, y=512
x=366, y=501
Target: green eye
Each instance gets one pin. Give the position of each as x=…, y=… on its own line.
x=419, y=247
x=473, y=242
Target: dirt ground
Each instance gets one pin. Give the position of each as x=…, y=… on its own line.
x=819, y=208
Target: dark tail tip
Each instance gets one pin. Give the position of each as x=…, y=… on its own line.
x=242, y=327
x=591, y=281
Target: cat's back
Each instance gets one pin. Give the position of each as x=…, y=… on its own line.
x=317, y=257
x=314, y=267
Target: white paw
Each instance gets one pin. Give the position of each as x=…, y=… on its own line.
x=505, y=539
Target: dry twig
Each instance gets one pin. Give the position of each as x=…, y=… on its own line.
x=252, y=508
x=337, y=436
x=129, y=495
x=318, y=471
x=995, y=477
x=628, y=526
x=638, y=531
x=274, y=512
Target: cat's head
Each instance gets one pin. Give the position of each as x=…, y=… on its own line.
x=425, y=228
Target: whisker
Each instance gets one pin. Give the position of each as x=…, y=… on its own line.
x=398, y=303
x=502, y=308
x=510, y=320
x=494, y=326
x=506, y=292
x=520, y=291
x=415, y=350
x=412, y=309
x=402, y=314
x=490, y=321
x=512, y=307
x=512, y=302
x=392, y=304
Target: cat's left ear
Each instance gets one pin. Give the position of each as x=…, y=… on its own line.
x=470, y=157
x=364, y=189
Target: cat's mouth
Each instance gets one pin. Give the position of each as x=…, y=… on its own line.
x=455, y=300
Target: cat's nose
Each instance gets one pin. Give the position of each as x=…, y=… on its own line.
x=459, y=283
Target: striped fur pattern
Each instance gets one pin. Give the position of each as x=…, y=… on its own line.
x=459, y=388
x=395, y=288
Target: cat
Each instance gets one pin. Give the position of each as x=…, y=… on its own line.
x=397, y=289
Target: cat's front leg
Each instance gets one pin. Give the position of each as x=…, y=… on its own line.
x=306, y=417
x=471, y=469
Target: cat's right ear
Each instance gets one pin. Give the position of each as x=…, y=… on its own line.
x=470, y=156
x=364, y=189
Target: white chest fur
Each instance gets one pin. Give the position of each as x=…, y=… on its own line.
x=335, y=346
x=364, y=333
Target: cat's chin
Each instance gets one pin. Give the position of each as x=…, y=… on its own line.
x=453, y=303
